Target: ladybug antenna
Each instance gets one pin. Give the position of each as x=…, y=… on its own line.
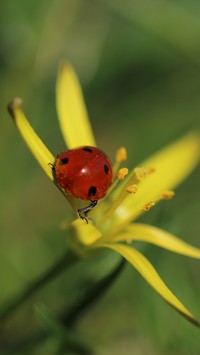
x=82, y=212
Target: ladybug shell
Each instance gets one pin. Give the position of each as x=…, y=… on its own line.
x=84, y=172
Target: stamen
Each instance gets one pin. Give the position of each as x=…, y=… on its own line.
x=117, y=195
x=141, y=173
x=148, y=206
x=112, y=187
x=132, y=189
x=122, y=173
x=121, y=155
x=167, y=195
x=138, y=174
x=132, y=218
x=120, y=176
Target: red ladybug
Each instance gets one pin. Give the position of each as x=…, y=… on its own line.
x=85, y=173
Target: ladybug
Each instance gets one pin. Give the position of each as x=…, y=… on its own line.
x=85, y=173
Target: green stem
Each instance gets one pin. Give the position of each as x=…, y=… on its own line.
x=92, y=295
x=68, y=339
x=68, y=317
x=66, y=261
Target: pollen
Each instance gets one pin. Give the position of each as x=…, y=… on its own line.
x=167, y=195
x=121, y=155
x=132, y=189
x=142, y=173
x=148, y=206
x=122, y=173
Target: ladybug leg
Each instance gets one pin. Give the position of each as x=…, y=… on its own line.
x=82, y=212
x=52, y=166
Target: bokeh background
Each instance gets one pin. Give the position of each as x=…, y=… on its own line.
x=139, y=65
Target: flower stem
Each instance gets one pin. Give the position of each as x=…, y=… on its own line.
x=92, y=294
x=68, y=339
x=68, y=318
x=60, y=266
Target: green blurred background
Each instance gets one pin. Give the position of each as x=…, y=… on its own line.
x=139, y=65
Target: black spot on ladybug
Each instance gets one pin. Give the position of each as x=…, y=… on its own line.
x=106, y=169
x=63, y=161
x=92, y=191
x=87, y=149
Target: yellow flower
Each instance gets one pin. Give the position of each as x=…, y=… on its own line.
x=132, y=193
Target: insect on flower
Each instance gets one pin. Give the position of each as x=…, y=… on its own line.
x=85, y=172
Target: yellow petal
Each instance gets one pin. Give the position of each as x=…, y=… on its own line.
x=145, y=268
x=156, y=236
x=71, y=109
x=171, y=165
x=85, y=233
x=37, y=147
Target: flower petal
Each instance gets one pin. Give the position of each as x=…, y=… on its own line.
x=85, y=233
x=156, y=236
x=145, y=268
x=172, y=165
x=35, y=144
x=73, y=118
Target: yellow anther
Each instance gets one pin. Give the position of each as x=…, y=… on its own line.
x=132, y=189
x=167, y=195
x=121, y=155
x=140, y=173
x=122, y=173
x=148, y=205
